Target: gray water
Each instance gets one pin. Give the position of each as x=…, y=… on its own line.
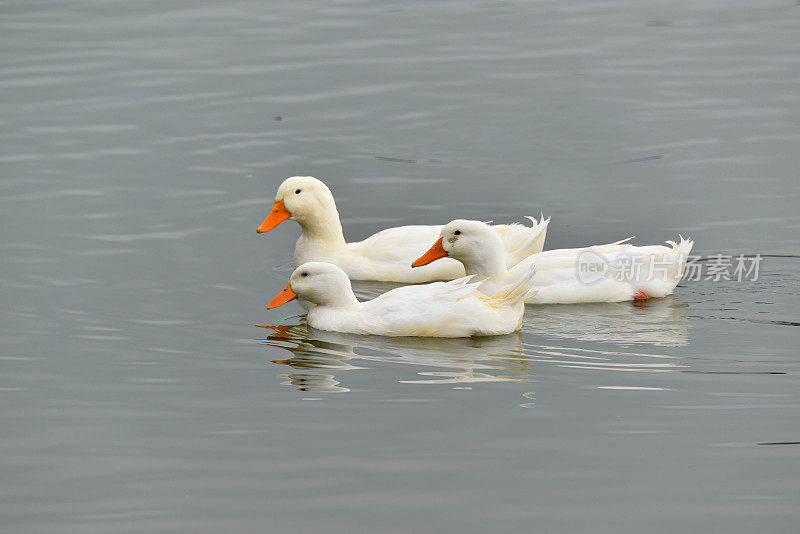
x=143, y=390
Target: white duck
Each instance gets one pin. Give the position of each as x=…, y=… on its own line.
x=440, y=309
x=387, y=255
x=605, y=273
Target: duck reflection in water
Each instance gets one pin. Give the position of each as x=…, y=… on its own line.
x=585, y=336
x=657, y=322
x=456, y=361
x=317, y=383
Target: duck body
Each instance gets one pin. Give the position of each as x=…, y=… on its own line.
x=615, y=272
x=439, y=309
x=633, y=273
x=387, y=255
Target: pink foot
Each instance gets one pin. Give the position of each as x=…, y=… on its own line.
x=640, y=295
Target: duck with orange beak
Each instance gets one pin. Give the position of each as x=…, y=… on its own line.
x=564, y=276
x=439, y=309
x=387, y=255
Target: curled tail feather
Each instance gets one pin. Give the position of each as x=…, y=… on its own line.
x=533, y=242
x=682, y=249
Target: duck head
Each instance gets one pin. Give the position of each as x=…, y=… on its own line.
x=323, y=284
x=473, y=243
x=306, y=200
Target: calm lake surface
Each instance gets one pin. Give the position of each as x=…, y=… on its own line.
x=141, y=146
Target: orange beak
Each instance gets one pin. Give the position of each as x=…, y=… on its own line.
x=434, y=253
x=282, y=298
x=277, y=215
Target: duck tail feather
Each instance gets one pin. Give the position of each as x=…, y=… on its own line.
x=519, y=290
x=533, y=242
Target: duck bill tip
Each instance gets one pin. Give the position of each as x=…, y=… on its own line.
x=282, y=298
x=434, y=253
x=276, y=215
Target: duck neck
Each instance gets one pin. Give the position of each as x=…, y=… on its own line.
x=324, y=229
x=486, y=264
x=340, y=297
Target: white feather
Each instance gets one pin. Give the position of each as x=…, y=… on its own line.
x=387, y=255
x=438, y=309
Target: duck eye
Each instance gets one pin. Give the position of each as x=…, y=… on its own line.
x=298, y=191
x=457, y=232
x=304, y=274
